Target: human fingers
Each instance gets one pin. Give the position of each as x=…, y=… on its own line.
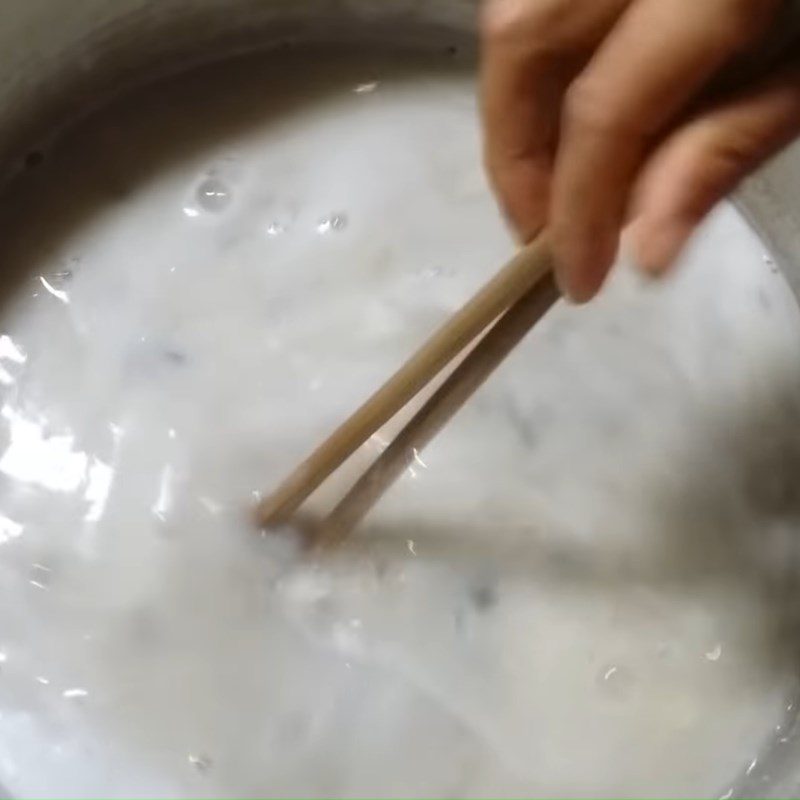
x=657, y=58
x=704, y=160
x=531, y=50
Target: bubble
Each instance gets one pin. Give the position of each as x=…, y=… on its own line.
x=348, y=637
x=770, y=262
x=275, y=229
x=335, y=222
x=366, y=88
x=57, y=293
x=306, y=588
x=715, y=653
x=616, y=681
x=434, y=272
x=60, y=278
x=40, y=576
x=75, y=693
x=213, y=195
x=200, y=761
x=9, y=530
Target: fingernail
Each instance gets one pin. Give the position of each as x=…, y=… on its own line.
x=561, y=283
x=581, y=267
x=576, y=291
x=657, y=245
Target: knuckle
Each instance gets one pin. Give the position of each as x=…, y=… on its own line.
x=714, y=167
x=504, y=21
x=728, y=155
x=588, y=107
x=501, y=19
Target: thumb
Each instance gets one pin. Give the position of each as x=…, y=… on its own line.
x=701, y=162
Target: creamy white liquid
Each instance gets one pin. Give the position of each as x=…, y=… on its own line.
x=581, y=588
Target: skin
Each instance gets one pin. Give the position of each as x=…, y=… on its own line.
x=594, y=119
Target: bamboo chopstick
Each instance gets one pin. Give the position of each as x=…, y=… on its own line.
x=530, y=265
x=487, y=355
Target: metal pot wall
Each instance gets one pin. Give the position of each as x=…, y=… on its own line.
x=59, y=59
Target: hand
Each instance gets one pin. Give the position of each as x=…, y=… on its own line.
x=593, y=117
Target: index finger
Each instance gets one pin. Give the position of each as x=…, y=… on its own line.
x=659, y=56
x=529, y=56
x=520, y=96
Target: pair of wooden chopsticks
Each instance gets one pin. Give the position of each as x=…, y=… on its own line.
x=511, y=303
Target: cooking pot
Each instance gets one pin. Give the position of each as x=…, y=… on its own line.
x=58, y=60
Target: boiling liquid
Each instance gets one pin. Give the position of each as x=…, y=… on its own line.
x=583, y=587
